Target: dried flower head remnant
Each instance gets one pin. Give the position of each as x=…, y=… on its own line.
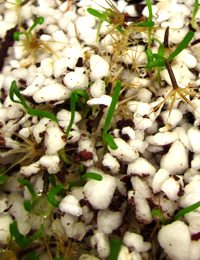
x=30, y=43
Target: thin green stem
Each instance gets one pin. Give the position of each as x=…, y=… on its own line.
x=108, y=139
x=33, y=112
x=196, y=9
x=150, y=19
x=186, y=211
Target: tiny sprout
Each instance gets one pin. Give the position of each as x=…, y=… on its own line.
x=160, y=60
x=159, y=213
x=150, y=19
x=52, y=193
x=64, y=157
x=22, y=241
x=31, y=43
x=186, y=211
x=27, y=203
x=107, y=138
x=41, y=204
x=178, y=215
x=111, y=16
x=89, y=175
x=33, y=112
x=39, y=20
x=196, y=8
x=75, y=98
x=117, y=20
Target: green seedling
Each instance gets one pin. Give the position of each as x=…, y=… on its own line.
x=159, y=57
x=178, y=215
x=90, y=83
x=75, y=98
x=31, y=43
x=52, y=178
x=90, y=175
x=22, y=241
x=150, y=20
x=107, y=138
x=52, y=193
x=33, y=256
x=186, y=211
x=196, y=9
x=41, y=204
x=115, y=245
x=28, y=35
x=157, y=60
x=115, y=19
x=110, y=15
x=87, y=175
x=159, y=213
x=59, y=189
x=33, y=112
x=64, y=158
x=27, y=203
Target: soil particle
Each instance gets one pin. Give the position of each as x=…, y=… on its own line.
x=195, y=237
x=8, y=42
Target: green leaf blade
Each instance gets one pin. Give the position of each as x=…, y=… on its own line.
x=109, y=139
x=149, y=55
x=145, y=24
x=33, y=112
x=54, y=192
x=184, y=43
x=186, y=211
x=156, y=63
x=16, y=35
x=112, y=106
x=21, y=240
x=115, y=246
x=28, y=206
x=94, y=12
x=40, y=113
x=73, y=108
x=92, y=175
x=29, y=187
